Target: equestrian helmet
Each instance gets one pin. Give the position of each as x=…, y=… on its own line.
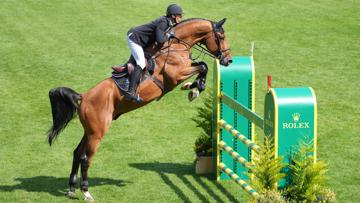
x=174, y=9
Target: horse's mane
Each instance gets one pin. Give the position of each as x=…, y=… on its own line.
x=190, y=20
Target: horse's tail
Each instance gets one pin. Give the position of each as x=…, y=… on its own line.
x=64, y=105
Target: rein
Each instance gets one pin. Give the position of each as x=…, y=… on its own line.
x=197, y=46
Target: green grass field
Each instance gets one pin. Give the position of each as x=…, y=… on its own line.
x=147, y=155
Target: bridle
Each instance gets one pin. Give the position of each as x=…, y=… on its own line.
x=219, y=54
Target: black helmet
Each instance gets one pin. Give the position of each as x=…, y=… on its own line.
x=173, y=9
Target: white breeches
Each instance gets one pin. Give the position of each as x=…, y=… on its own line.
x=137, y=52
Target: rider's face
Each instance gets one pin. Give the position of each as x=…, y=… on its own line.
x=177, y=18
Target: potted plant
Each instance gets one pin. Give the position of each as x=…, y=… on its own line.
x=203, y=144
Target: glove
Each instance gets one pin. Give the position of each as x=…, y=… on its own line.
x=170, y=34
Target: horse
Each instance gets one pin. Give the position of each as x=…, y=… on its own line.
x=105, y=102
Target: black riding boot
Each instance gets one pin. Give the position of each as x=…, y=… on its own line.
x=134, y=80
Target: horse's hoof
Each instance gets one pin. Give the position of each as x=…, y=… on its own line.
x=71, y=195
x=186, y=86
x=193, y=94
x=88, y=197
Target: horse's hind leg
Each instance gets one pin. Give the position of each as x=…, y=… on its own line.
x=96, y=126
x=75, y=167
x=96, y=115
x=92, y=144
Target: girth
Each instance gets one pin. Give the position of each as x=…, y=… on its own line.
x=160, y=84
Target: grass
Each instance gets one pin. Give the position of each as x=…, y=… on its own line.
x=147, y=155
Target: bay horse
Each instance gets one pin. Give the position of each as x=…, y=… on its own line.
x=102, y=104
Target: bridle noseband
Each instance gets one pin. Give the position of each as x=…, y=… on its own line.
x=219, y=54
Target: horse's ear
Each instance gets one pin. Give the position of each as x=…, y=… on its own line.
x=220, y=23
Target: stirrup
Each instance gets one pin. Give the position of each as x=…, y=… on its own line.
x=135, y=98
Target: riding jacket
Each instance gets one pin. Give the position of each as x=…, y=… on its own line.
x=147, y=34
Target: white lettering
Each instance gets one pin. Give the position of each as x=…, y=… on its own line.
x=296, y=125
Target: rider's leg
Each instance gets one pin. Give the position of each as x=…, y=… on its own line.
x=134, y=80
x=139, y=56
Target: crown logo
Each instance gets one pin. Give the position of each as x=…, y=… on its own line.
x=296, y=117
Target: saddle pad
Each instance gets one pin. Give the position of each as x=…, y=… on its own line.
x=121, y=81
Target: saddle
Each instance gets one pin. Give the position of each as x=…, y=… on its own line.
x=121, y=73
x=129, y=66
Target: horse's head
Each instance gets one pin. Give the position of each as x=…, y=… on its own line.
x=211, y=34
x=217, y=43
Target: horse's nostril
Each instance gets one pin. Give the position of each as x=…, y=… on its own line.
x=230, y=61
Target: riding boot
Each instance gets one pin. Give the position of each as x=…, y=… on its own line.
x=134, y=80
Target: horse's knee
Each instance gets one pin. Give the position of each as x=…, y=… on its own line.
x=203, y=67
x=201, y=85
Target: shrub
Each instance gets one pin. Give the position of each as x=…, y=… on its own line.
x=306, y=179
x=204, y=120
x=270, y=196
x=266, y=172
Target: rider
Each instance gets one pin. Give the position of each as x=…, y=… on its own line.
x=143, y=36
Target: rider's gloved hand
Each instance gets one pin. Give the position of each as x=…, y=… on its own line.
x=171, y=34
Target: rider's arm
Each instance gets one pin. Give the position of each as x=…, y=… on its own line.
x=161, y=29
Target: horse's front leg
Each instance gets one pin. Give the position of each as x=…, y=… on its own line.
x=199, y=84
